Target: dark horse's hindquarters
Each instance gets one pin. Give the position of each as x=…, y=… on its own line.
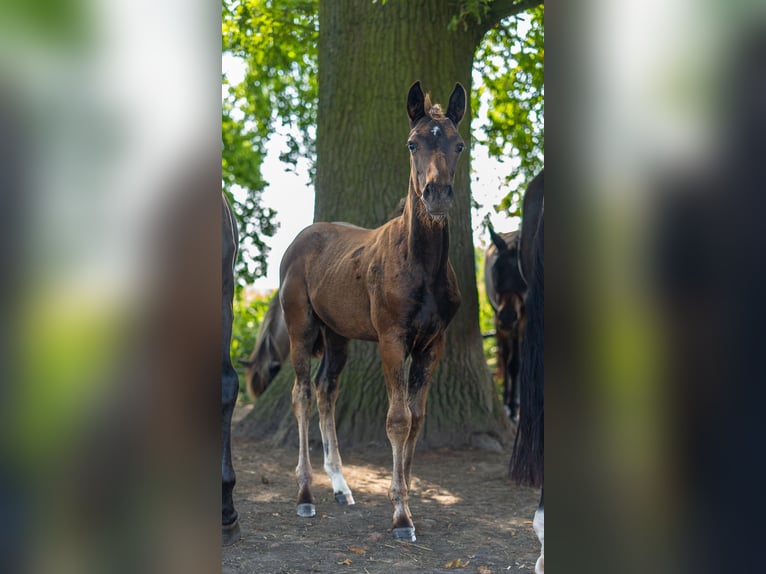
x=229, y=382
x=393, y=285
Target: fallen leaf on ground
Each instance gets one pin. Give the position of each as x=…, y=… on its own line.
x=347, y=561
x=485, y=570
x=457, y=563
x=357, y=550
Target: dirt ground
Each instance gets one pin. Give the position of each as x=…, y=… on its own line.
x=468, y=516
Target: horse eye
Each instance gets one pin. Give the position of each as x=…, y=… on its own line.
x=412, y=146
x=459, y=147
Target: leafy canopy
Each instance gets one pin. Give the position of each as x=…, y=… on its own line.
x=276, y=40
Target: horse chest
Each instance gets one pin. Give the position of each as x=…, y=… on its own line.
x=428, y=317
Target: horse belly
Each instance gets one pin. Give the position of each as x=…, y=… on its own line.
x=346, y=311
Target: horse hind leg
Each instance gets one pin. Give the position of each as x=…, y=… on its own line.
x=335, y=355
x=303, y=331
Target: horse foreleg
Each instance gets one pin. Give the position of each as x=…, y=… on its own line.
x=336, y=353
x=303, y=395
x=398, y=425
x=229, y=388
x=421, y=370
x=502, y=358
x=230, y=531
x=512, y=372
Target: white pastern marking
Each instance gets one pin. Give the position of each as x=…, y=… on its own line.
x=539, y=525
x=339, y=483
x=435, y=131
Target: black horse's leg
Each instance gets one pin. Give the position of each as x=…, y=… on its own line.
x=513, y=374
x=229, y=381
x=229, y=390
x=335, y=355
x=503, y=349
x=230, y=522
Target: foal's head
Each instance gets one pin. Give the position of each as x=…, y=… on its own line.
x=434, y=145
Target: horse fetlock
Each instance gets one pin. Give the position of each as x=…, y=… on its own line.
x=402, y=517
x=345, y=498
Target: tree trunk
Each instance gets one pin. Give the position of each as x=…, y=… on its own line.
x=369, y=55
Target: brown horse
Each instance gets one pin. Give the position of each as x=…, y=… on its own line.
x=394, y=285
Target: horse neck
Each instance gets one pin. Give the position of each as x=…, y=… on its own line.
x=427, y=239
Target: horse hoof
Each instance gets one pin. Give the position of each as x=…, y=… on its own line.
x=306, y=510
x=230, y=533
x=405, y=534
x=344, y=499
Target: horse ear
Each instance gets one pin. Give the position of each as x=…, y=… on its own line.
x=498, y=241
x=456, y=107
x=415, y=103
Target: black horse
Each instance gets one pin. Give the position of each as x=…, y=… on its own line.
x=229, y=381
x=505, y=290
x=527, y=461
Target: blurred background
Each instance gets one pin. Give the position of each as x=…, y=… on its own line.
x=111, y=128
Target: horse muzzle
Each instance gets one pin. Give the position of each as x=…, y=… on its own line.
x=438, y=199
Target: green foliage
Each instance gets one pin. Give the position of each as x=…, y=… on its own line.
x=471, y=12
x=486, y=318
x=277, y=42
x=512, y=67
x=248, y=315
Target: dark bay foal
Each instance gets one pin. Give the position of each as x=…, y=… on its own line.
x=394, y=285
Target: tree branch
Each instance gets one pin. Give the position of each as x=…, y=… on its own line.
x=503, y=8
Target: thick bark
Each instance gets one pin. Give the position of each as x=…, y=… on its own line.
x=369, y=55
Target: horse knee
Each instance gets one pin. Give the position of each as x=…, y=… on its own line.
x=399, y=422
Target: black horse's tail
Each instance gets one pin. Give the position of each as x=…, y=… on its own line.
x=527, y=461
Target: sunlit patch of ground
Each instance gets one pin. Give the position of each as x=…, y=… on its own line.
x=463, y=505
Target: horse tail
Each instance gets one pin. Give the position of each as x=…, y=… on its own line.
x=527, y=462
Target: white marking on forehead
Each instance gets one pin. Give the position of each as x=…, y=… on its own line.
x=436, y=130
